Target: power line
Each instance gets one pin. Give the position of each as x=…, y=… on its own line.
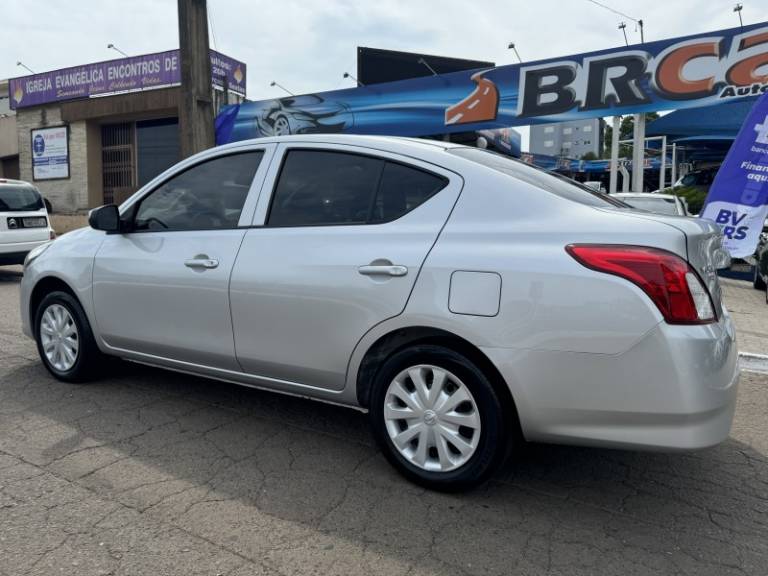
x=613, y=10
x=638, y=21
x=209, y=7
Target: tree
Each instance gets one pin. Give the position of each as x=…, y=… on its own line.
x=589, y=156
x=626, y=129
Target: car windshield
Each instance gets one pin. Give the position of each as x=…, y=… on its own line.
x=19, y=199
x=550, y=181
x=658, y=205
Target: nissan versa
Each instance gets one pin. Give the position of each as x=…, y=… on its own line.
x=466, y=300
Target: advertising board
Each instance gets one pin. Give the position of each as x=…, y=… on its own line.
x=50, y=153
x=692, y=71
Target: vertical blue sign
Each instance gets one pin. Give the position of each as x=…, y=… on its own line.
x=738, y=198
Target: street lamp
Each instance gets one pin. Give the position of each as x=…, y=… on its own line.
x=623, y=28
x=20, y=63
x=348, y=75
x=116, y=49
x=737, y=9
x=273, y=83
x=512, y=47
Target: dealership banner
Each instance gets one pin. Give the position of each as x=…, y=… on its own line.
x=50, y=153
x=692, y=71
x=738, y=198
x=121, y=75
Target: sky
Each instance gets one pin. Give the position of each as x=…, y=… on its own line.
x=307, y=45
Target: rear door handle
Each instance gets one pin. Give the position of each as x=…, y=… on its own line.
x=385, y=270
x=201, y=263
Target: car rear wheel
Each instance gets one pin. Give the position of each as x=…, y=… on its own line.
x=64, y=338
x=437, y=418
x=757, y=280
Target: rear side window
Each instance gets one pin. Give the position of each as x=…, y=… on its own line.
x=19, y=199
x=402, y=189
x=325, y=188
x=549, y=181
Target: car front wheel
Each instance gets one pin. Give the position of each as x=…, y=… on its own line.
x=437, y=418
x=64, y=338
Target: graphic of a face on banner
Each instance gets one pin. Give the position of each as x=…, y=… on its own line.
x=738, y=199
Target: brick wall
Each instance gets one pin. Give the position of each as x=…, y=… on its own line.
x=67, y=196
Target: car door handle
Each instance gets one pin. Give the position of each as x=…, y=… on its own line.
x=201, y=263
x=385, y=270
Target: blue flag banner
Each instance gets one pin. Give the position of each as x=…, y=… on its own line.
x=738, y=198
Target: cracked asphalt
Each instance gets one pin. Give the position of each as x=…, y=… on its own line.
x=150, y=472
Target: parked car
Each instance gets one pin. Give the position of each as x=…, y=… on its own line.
x=466, y=300
x=655, y=202
x=760, y=268
x=702, y=178
x=24, y=223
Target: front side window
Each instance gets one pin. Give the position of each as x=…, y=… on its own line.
x=208, y=196
x=326, y=188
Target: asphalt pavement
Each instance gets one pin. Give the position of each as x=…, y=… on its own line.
x=151, y=472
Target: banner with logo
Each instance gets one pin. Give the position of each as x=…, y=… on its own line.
x=121, y=75
x=692, y=71
x=738, y=198
x=50, y=153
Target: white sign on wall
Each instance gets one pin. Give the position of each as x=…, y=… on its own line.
x=50, y=153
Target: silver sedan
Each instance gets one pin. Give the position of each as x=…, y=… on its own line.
x=467, y=301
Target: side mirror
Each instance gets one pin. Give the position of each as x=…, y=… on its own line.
x=106, y=218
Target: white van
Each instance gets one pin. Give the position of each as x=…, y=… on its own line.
x=24, y=222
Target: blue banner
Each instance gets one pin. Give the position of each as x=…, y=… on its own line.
x=738, y=198
x=692, y=71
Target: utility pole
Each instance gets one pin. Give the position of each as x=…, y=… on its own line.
x=196, y=106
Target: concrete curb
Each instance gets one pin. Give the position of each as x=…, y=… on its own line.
x=753, y=362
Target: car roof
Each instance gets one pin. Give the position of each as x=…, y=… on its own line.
x=384, y=142
x=16, y=183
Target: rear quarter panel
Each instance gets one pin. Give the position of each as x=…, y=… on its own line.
x=548, y=300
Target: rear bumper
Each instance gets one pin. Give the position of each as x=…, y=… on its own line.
x=674, y=390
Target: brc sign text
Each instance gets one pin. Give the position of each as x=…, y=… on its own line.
x=688, y=70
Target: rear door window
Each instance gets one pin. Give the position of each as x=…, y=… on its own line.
x=327, y=188
x=402, y=189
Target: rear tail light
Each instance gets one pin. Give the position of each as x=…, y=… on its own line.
x=667, y=279
x=52, y=235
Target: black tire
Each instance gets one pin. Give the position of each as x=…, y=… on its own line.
x=757, y=281
x=495, y=434
x=88, y=358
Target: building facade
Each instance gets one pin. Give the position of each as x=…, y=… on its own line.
x=568, y=139
x=9, y=142
x=84, y=141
